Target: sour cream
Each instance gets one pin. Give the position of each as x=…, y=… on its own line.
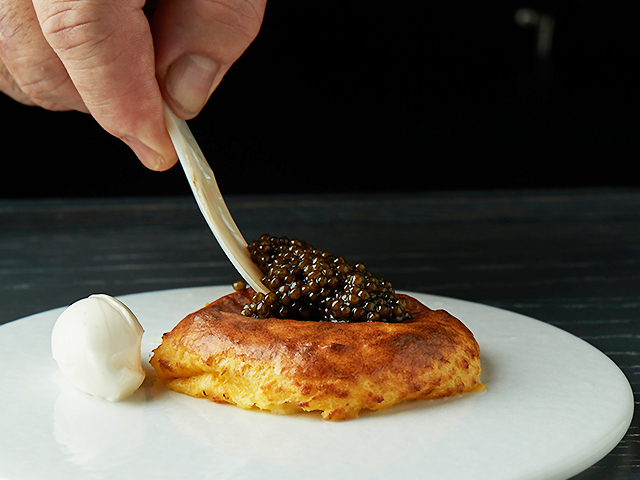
x=96, y=343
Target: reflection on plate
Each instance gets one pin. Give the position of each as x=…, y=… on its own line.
x=554, y=405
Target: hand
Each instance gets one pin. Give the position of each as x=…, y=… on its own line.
x=104, y=57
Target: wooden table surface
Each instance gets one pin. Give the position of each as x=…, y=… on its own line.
x=567, y=257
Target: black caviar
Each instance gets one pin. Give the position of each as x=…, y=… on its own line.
x=308, y=284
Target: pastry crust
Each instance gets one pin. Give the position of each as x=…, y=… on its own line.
x=286, y=366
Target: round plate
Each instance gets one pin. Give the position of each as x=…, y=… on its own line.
x=554, y=405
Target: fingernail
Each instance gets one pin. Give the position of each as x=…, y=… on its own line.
x=148, y=156
x=189, y=81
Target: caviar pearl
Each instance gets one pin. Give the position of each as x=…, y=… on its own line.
x=310, y=284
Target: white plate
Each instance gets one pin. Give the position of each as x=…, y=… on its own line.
x=554, y=406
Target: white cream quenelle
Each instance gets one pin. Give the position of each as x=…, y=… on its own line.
x=96, y=342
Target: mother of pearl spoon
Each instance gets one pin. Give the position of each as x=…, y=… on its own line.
x=205, y=190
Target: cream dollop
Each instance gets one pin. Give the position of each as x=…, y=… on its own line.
x=96, y=343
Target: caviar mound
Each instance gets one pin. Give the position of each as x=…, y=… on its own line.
x=306, y=283
x=338, y=369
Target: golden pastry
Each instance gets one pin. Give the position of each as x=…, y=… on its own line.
x=338, y=368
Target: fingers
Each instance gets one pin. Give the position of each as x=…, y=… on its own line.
x=196, y=41
x=107, y=51
x=30, y=71
x=98, y=56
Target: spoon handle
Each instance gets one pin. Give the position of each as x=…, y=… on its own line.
x=209, y=199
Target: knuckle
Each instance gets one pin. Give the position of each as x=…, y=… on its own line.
x=69, y=24
x=44, y=85
x=30, y=72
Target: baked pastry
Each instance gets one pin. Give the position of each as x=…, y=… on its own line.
x=337, y=368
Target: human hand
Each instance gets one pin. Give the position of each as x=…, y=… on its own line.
x=104, y=57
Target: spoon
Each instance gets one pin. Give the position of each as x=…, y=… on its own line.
x=207, y=194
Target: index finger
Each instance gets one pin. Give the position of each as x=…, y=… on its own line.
x=107, y=49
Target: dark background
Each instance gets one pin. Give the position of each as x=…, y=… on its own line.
x=372, y=96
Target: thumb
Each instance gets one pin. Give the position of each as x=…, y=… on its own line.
x=107, y=49
x=196, y=42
